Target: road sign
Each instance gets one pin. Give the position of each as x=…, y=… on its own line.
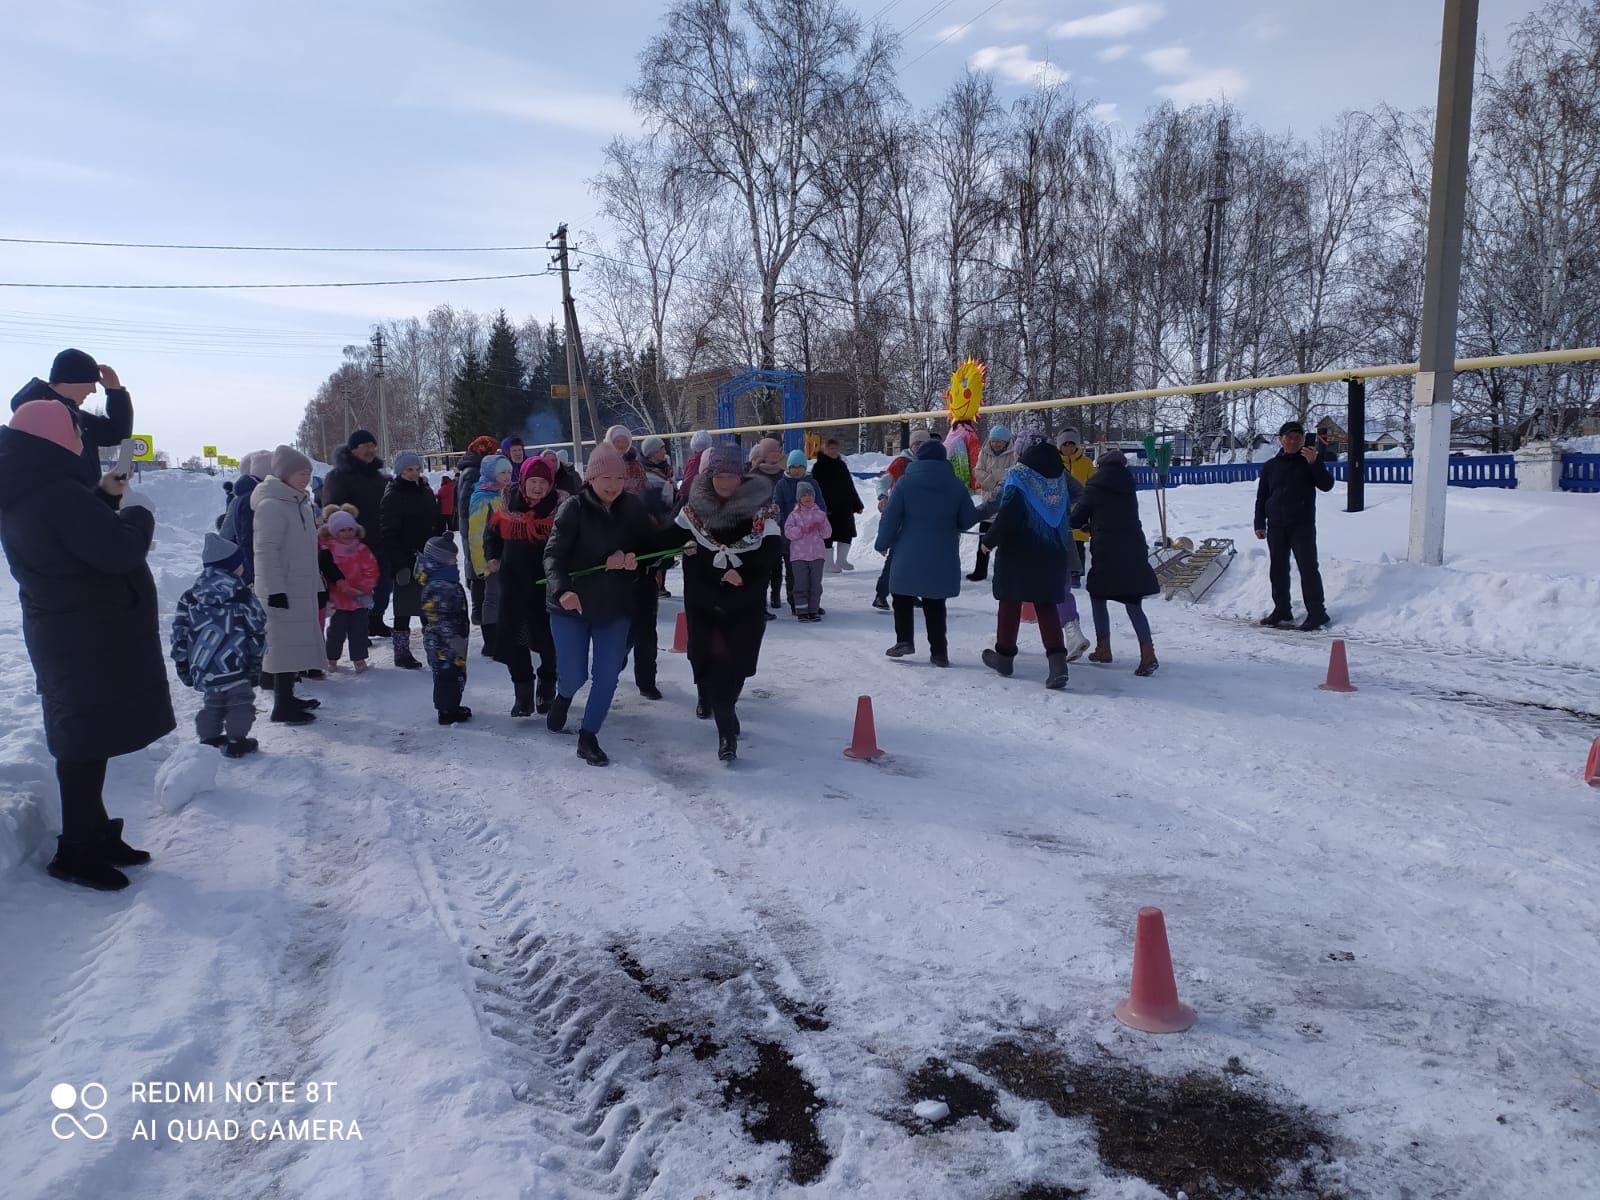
x=144, y=448
x=209, y=451
x=562, y=391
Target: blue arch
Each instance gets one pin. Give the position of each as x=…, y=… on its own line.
x=791, y=383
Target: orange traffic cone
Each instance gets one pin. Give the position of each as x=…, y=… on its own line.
x=680, y=635
x=1152, y=1003
x=864, y=744
x=1591, y=769
x=1338, y=670
x=1028, y=615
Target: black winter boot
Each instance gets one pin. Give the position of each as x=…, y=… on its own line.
x=727, y=747
x=1277, y=617
x=523, y=705
x=543, y=695
x=287, y=708
x=239, y=747
x=589, y=749
x=455, y=716
x=72, y=864
x=999, y=662
x=118, y=852
x=557, y=720
x=1057, y=678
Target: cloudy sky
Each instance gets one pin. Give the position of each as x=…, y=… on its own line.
x=417, y=123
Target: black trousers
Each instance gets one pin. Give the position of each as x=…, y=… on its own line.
x=84, y=823
x=933, y=615
x=642, y=640
x=1301, y=541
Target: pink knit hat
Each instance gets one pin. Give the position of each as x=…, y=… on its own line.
x=50, y=420
x=604, y=459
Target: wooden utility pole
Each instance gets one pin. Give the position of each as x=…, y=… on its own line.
x=1208, y=409
x=577, y=377
x=383, y=404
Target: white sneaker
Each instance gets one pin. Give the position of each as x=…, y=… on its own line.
x=1072, y=637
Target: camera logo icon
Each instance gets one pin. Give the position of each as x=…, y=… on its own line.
x=66, y=1124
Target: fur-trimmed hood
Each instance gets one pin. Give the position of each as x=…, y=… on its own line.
x=738, y=512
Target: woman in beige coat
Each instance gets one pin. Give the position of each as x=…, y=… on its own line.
x=288, y=580
x=999, y=455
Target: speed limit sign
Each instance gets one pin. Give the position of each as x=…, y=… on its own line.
x=144, y=447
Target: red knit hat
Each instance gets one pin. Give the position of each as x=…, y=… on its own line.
x=537, y=465
x=50, y=420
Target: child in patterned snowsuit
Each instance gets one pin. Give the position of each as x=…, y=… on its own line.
x=444, y=627
x=219, y=635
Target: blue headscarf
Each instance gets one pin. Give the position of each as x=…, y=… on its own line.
x=1047, y=490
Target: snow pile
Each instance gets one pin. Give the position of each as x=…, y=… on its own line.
x=188, y=771
x=1588, y=444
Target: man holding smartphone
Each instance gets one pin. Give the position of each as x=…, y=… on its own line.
x=74, y=377
x=1286, y=517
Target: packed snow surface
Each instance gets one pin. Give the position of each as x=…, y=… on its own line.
x=525, y=977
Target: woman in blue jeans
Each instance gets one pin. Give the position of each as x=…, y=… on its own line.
x=592, y=581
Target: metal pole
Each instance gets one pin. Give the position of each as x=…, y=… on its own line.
x=383, y=403
x=560, y=236
x=1430, y=473
x=1355, y=427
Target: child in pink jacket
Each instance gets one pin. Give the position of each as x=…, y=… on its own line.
x=350, y=598
x=807, y=531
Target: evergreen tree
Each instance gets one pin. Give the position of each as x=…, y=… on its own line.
x=505, y=377
x=472, y=410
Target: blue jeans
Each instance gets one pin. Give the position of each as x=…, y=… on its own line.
x=573, y=635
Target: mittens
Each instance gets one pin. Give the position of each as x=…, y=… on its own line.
x=322, y=600
x=133, y=499
x=402, y=577
x=278, y=600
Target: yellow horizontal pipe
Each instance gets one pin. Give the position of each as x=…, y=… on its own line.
x=1490, y=363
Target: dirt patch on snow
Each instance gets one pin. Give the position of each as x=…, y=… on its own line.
x=781, y=1106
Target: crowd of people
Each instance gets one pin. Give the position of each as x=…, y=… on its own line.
x=562, y=573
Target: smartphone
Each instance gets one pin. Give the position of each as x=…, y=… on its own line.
x=123, y=467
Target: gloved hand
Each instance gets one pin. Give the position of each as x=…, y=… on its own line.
x=402, y=577
x=278, y=600
x=322, y=600
x=689, y=548
x=133, y=499
x=329, y=568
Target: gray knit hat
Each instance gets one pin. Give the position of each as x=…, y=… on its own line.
x=406, y=458
x=441, y=548
x=286, y=460
x=651, y=445
x=218, y=551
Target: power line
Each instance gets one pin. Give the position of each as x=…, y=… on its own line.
x=233, y=287
x=21, y=241
x=927, y=16
x=956, y=32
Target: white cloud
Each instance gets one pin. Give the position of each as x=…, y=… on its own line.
x=1013, y=63
x=952, y=33
x=1117, y=23
x=1192, y=83
x=1112, y=53
x=1104, y=112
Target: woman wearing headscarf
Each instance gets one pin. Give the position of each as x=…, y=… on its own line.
x=733, y=522
x=516, y=542
x=76, y=548
x=1119, y=563
x=494, y=478
x=1032, y=536
x=922, y=527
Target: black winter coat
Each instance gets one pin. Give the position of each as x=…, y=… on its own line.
x=839, y=496
x=408, y=517
x=725, y=623
x=511, y=538
x=1119, y=562
x=89, y=613
x=1029, y=569
x=354, y=482
x=109, y=430
x=466, y=483
x=1287, y=493
x=585, y=535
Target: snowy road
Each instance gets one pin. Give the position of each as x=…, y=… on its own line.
x=530, y=978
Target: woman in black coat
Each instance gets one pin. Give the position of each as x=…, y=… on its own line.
x=1034, y=557
x=726, y=568
x=89, y=618
x=514, y=546
x=1119, y=562
x=408, y=517
x=840, y=498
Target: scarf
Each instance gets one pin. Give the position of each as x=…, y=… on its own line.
x=750, y=509
x=1047, y=501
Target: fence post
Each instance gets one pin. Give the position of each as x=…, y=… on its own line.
x=1355, y=425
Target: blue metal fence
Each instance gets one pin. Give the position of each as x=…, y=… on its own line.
x=1580, y=473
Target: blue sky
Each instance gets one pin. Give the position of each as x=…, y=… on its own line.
x=412, y=123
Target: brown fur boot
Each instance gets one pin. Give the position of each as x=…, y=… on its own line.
x=1102, y=651
x=1147, y=659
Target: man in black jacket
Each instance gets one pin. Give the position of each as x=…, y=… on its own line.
x=74, y=377
x=357, y=478
x=1286, y=516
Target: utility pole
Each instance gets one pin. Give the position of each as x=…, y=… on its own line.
x=577, y=377
x=383, y=403
x=1209, y=407
x=344, y=394
x=1441, y=284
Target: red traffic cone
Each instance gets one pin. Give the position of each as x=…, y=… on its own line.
x=1338, y=670
x=680, y=635
x=1152, y=1004
x=864, y=744
x=1028, y=615
x=1591, y=769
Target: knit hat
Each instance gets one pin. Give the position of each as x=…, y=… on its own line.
x=617, y=431
x=805, y=488
x=360, y=437
x=50, y=420
x=406, y=458
x=700, y=442
x=341, y=520
x=605, y=459
x=919, y=435
x=537, y=466
x=257, y=463
x=74, y=366
x=722, y=460
x=286, y=461
x=1043, y=458
x=1069, y=435
x=493, y=466
x=765, y=447
x=932, y=449
x=219, y=552
x=441, y=548
x=652, y=445
x=1112, y=458
x=797, y=458
x=999, y=433
x=563, y=455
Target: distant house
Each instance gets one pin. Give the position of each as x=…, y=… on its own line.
x=1391, y=439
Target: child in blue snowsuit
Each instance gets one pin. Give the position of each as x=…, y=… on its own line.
x=219, y=635
x=444, y=626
